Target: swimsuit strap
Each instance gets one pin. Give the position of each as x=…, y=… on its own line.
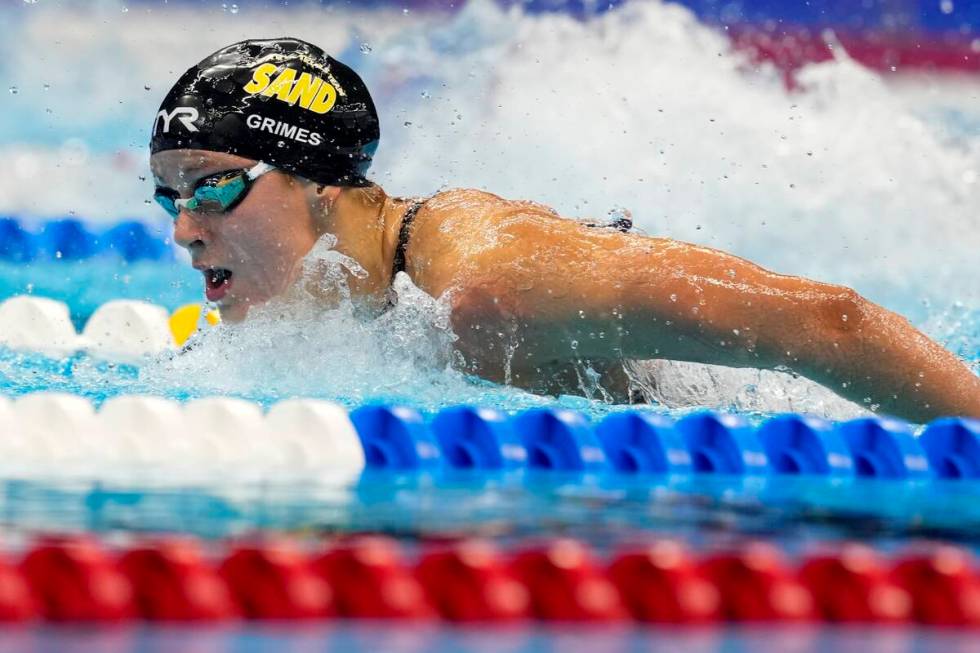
x=398, y=265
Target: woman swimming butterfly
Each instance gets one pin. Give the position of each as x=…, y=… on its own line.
x=263, y=147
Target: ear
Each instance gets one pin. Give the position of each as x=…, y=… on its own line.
x=322, y=196
x=328, y=193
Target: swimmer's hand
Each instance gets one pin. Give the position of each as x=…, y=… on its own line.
x=551, y=290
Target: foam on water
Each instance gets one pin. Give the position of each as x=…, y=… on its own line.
x=642, y=108
x=316, y=341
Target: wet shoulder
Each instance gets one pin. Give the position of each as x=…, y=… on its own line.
x=454, y=227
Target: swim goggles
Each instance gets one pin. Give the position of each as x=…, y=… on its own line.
x=217, y=193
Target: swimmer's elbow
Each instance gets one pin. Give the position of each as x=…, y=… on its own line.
x=835, y=322
x=841, y=312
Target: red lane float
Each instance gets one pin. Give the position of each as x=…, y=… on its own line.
x=17, y=602
x=172, y=581
x=663, y=583
x=371, y=580
x=277, y=581
x=854, y=585
x=944, y=586
x=469, y=581
x=75, y=579
x=756, y=584
x=566, y=583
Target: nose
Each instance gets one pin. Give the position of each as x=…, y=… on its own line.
x=189, y=233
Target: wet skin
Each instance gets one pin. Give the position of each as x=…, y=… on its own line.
x=532, y=292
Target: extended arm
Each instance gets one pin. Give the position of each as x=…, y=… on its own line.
x=554, y=291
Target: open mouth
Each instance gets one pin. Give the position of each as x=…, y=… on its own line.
x=216, y=283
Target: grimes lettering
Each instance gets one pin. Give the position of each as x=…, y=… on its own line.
x=306, y=90
x=279, y=128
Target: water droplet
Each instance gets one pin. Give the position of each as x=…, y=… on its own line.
x=408, y=123
x=233, y=9
x=365, y=48
x=47, y=87
x=281, y=144
x=14, y=90
x=946, y=6
x=146, y=87
x=425, y=95
x=125, y=10
x=844, y=317
x=673, y=297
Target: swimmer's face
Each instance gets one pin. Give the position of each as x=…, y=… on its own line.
x=253, y=252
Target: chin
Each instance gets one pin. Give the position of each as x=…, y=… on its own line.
x=233, y=312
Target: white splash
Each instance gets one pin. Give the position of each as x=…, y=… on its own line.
x=301, y=345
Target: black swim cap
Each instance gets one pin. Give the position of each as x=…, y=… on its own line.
x=282, y=101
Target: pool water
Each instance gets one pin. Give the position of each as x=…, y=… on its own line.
x=668, y=122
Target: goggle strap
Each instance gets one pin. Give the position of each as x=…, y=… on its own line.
x=258, y=170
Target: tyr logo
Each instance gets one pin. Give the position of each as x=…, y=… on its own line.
x=185, y=115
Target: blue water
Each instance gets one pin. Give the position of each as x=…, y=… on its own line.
x=415, y=638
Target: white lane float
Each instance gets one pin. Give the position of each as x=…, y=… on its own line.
x=37, y=324
x=147, y=430
x=122, y=330
x=315, y=434
x=53, y=427
x=229, y=430
x=126, y=330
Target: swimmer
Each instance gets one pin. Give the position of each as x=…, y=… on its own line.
x=263, y=148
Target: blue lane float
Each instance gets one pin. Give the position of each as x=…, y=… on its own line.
x=560, y=439
x=16, y=244
x=643, y=442
x=69, y=240
x=952, y=445
x=132, y=241
x=478, y=438
x=395, y=438
x=723, y=444
x=885, y=448
x=801, y=444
